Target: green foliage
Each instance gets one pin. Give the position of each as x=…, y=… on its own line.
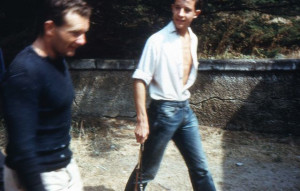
x=289, y=35
x=119, y=29
x=274, y=7
x=248, y=33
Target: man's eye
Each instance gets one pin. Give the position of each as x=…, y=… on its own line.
x=187, y=10
x=75, y=33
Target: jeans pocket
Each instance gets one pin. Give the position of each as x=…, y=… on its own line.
x=167, y=111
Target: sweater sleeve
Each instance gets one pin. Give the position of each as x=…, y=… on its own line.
x=20, y=105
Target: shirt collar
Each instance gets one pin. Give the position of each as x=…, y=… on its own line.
x=172, y=29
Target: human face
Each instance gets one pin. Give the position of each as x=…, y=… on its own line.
x=183, y=14
x=71, y=35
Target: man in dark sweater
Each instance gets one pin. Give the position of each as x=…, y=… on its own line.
x=37, y=95
x=1, y=171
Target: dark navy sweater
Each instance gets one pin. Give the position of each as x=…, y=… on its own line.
x=37, y=95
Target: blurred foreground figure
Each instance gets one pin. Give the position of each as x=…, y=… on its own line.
x=169, y=66
x=1, y=171
x=37, y=96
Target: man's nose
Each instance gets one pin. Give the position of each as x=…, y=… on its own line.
x=181, y=12
x=81, y=40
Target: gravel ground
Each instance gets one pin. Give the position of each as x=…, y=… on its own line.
x=106, y=153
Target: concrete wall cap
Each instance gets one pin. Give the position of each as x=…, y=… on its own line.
x=205, y=65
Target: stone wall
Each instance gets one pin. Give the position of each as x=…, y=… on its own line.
x=253, y=95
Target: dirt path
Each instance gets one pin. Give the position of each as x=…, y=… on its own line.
x=239, y=161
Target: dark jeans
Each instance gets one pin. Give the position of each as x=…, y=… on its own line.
x=174, y=120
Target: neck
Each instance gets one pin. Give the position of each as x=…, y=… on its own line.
x=182, y=32
x=42, y=48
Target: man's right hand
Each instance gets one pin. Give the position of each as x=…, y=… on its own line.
x=141, y=132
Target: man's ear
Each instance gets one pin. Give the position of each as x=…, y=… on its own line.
x=49, y=27
x=197, y=12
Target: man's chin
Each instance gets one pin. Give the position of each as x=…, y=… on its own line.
x=70, y=54
x=180, y=26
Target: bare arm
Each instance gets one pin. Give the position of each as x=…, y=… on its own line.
x=142, y=127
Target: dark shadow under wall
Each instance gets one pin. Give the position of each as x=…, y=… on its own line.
x=273, y=106
x=264, y=105
x=251, y=95
x=273, y=109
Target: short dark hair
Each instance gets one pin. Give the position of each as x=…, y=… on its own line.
x=56, y=10
x=198, y=3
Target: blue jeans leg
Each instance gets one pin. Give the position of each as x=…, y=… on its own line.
x=173, y=120
x=163, y=123
x=188, y=141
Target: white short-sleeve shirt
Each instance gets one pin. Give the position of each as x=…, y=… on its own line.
x=161, y=65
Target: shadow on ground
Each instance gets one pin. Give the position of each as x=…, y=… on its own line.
x=274, y=112
x=97, y=188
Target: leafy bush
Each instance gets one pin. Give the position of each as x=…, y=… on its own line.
x=119, y=29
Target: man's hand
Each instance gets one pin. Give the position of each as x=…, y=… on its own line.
x=141, y=132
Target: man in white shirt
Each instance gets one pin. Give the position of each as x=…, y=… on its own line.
x=168, y=66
